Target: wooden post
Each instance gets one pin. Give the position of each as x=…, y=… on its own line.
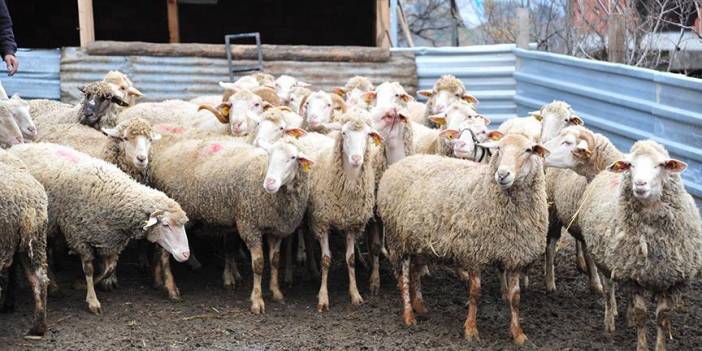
x=523, y=28
x=173, y=27
x=86, y=25
x=616, y=38
x=382, y=23
x=403, y=24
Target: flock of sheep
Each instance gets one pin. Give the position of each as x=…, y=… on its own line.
x=423, y=184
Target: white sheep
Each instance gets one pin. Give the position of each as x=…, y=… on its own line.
x=284, y=85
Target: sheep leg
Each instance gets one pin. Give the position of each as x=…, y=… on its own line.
x=274, y=260
x=311, y=259
x=595, y=282
x=607, y=292
x=8, y=295
x=665, y=304
x=356, y=298
x=38, y=281
x=168, y=280
x=91, y=297
x=580, y=257
x=289, y=269
x=503, y=284
x=323, y=295
x=228, y=276
x=513, y=297
x=554, y=234
x=407, y=313
x=158, y=268
x=256, y=249
x=54, y=289
x=374, y=239
x=416, y=286
x=470, y=328
x=109, y=265
x=639, y=320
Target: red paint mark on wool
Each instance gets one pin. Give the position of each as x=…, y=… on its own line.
x=68, y=155
x=169, y=128
x=614, y=183
x=215, y=148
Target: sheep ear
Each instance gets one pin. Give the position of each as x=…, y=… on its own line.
x=132, y=91
x=675, y=166
x=295, y=132
x=15, y=96
x=539, y=150
x=267, y=105
x=425, y=92
x=339, y=91
x=304, y=161
x=155, y=136
x=470, y=99
x=449, y=134
x=406, y=98
x=377, y=138
x=537, y=114
x=619, y=166
x=112, y=133
x=495, y=135
x=439, y=120
x=368, y=97
x=575, y=120
x=150, y=223
x=485, y=119
x=402, y=117
x=82, y=89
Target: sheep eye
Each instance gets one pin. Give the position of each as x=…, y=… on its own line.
x=257, y=104
x=292, y=158
x=328, y=105
x=164, y=224
x=281, y=128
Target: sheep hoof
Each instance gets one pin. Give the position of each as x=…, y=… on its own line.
x=109, y=284
x=229, y=286
x=419, y=308
x=36, y=333
x=258, y=307
x=471, y=334
x=356, y=299
x=277, y=296
x=520, y=339
x=409, y=320
x=323, y=307
x=174, y=295
x=95, y=308
x=374, y=288
x=597, y=289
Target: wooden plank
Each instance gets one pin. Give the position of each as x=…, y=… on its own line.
x=523, y=28
x=243, y=52
x=382, y=23
x=616, y=38
x=86, y=24
x=173, y=26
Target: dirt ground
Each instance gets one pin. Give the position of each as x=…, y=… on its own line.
x=209, y=318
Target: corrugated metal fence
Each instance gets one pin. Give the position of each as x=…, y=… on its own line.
x=161, y=78
x=486, y=70
x=38, y=76
x=623, y=102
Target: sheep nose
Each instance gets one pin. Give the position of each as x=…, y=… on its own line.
x=503, y=173
x=19, y=140
x=186, y=255
x=356, y=158
x=32, y=130
x=141, y=158
x=270, y=181
x=640, y=183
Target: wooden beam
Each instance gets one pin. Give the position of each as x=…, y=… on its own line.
x=382, y=23
x=616, y=38
x=523, y=28
x=243, y=52
x=86, y=25
x=173, y=26
x=403, y=24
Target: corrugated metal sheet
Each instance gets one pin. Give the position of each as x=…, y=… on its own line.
x=486, y=70
x=161, y=78
x=38, y=75
x=623, y=102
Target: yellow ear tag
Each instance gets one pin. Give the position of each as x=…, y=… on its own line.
x=538, y=117
x=306, y=166
x=495, y=136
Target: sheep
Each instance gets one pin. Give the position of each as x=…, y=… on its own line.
x=127, y=145
x=99, y=108
x=99, y=209
x=353, y=91
x=464, y=142
x=21, y=113
x=125, y=85
x=473, y=215
x=446, y=90
x=250, y=82
x=284, y=86
x=10, y=133
x=297, y=95
x=273, y=124
x=41, y=106
x=240, y=110
x=213, y=100
x=320, y=108
x=342, y=194
x=643, y=230
x=454, y=119
x=23, y=204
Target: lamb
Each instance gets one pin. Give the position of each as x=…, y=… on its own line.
x=23, y=204
x=320, y=108
x=99, y=209
x=125, y=85
x=284, y=86
x=10, y=133
x=464, y=219
x=342, y=194
x=21, y=113
x=127, y=145
x=446, y=90
x=643, y=230
x=99, y=108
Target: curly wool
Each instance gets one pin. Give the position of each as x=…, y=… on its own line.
x=96, y=206
x=465, y=219
x=359, y=82
x=655, y=244
x=450, y=83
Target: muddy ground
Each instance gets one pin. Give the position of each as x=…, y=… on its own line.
x=209, y=318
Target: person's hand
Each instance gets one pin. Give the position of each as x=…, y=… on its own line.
x=12, y=64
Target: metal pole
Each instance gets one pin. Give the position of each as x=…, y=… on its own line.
x=393, y=23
